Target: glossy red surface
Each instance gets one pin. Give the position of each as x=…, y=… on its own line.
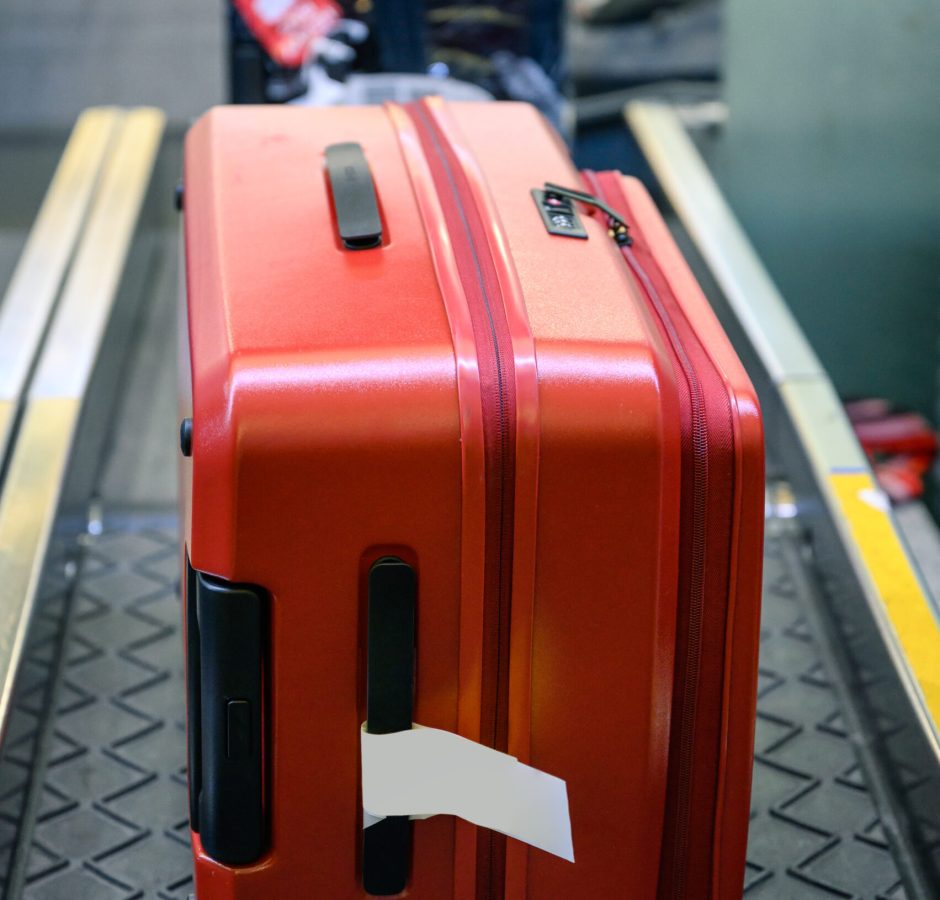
x=336, y=402
x=326, y=433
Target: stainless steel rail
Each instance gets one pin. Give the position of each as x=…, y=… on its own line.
x=881, y=618
x=36, y=281
x=125, y=144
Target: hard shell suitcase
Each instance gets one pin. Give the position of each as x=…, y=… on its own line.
x=464, y=445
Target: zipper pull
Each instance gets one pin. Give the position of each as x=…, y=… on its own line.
x=617, y=227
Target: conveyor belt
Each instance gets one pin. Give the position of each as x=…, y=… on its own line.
x=814, y=829
x=95, y=753
x=92, y=776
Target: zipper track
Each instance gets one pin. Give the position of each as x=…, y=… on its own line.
x=700, y=450
x=693, y=626
x=496, y=362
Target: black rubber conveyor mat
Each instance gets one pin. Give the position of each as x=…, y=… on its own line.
x=92, y=776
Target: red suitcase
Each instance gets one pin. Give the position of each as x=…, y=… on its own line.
x=430, y=401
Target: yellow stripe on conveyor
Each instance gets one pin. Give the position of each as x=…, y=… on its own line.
x=907, y=607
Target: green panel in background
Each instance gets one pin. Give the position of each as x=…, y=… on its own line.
x=831, y=158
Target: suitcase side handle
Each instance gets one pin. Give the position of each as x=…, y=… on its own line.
x=392, y=597
x=354, y=200
x=226, y=656
x=193, y=697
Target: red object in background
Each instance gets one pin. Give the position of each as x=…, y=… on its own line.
x=897, y=433
x=867, y=409
x=288, y=29
x=901, y=446
x=343, y=407
x=902, y=477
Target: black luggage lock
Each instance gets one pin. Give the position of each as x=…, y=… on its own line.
x=354, y=201
x=558, y=214
x=386, y=849
x=225, y=640
x=556, y=207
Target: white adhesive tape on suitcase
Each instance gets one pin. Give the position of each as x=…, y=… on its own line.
x=428, y=772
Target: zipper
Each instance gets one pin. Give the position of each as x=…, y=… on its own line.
x=695, y=441
x=693, y=625
x=495, y=358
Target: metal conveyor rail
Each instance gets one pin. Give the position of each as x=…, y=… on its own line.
x=119, y=148
x=881, y=620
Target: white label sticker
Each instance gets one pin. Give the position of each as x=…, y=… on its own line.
x=428, y=772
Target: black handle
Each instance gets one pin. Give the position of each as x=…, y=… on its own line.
x=357, y=211
x=229, y=669
x=193, y=696
x=389, y=703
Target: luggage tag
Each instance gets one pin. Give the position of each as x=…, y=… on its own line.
x=428, y=772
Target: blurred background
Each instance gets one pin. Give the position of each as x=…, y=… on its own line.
x=822, y=121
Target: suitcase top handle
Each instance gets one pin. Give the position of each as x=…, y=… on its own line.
x=354, y=202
